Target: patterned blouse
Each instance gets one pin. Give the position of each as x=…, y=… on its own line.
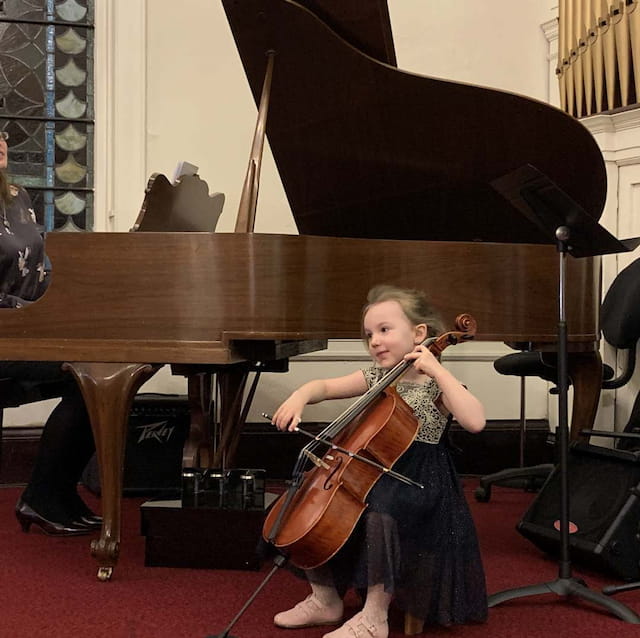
x=22, y=260
x=421, y=398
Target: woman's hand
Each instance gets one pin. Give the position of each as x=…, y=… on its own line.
x=424, y=361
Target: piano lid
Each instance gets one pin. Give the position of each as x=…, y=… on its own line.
x=367, y=150
x=363, y=24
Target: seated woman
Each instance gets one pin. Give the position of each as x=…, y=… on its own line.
x=50, y=500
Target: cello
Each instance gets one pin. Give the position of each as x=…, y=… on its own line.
x=315, y=517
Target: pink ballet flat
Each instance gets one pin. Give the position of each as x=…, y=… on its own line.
x=361, y=626
x=308, y=613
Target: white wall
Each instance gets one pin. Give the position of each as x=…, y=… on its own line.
x=495, y=43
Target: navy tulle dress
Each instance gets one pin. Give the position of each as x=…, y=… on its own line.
x=421, y=543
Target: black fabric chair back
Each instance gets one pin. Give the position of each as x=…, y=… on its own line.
x=620, y=311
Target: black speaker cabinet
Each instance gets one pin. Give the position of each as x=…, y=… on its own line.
x=158, y=427
x=202, y=537
x=604, y=510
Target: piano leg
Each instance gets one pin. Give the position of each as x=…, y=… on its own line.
x=108, y=390
x=585, y=372
x=210, y=444
x=231, y=382
x=198, y=448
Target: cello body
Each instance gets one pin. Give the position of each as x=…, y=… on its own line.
x=332, y=498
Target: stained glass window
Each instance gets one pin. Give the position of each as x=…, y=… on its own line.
x=46, y=105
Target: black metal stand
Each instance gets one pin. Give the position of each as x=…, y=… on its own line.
x=610, y=590
x=572, y=230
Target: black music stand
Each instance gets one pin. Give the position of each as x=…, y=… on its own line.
x=573, y=231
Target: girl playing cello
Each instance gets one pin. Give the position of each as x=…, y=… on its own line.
x=418, y=546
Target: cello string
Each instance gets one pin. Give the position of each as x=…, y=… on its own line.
x=353, y=455
x=319, y=461
x=338, y=424
x=363, y=402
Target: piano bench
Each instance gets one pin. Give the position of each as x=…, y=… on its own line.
x=14, y=393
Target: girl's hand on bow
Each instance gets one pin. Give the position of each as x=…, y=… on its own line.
x=289, y=414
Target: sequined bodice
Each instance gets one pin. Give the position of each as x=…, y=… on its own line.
x=420, y=397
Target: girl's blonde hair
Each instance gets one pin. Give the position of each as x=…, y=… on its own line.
x=413, y=303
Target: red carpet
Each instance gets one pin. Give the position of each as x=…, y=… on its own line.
x=48, y=587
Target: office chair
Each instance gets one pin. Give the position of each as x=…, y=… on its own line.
x=530, y=478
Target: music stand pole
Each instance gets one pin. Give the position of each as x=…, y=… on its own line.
x=545, y=204
x=564, y=568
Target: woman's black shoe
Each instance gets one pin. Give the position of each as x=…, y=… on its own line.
x=27, y=517
x=92, y=521
x=80, y=512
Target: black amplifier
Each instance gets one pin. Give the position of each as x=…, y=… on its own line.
x=158, y=428
x=202, y=537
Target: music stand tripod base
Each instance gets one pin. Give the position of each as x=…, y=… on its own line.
x=567, y=587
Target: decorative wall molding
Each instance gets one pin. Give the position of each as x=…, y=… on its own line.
x=550, y=30
x=121, y=111
x=613, y=122
x=617, y=135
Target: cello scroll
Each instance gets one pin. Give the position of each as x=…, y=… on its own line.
x=466, y=328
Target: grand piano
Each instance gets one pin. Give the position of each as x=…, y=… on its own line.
x=389, y=176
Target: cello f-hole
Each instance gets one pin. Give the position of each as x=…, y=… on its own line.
x=327, y=484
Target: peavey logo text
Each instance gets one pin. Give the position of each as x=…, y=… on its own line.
x=159, y=431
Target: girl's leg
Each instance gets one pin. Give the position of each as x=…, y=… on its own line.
x=376, y=607
x=371, y=622
x=323, y=606
x=323, y=586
